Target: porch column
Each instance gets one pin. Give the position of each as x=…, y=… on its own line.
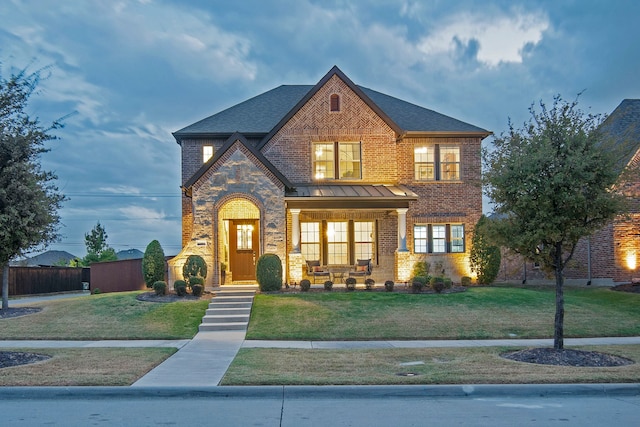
x=402, y=229
x=295, y=230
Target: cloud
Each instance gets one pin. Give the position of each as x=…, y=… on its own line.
x=492, y=40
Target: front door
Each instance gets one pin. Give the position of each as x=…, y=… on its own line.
x=244, y=248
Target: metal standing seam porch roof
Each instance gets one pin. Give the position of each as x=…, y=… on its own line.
x=349, y=196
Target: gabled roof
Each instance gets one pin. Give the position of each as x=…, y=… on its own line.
x=622, y=128
x=264, y=114
x=236, y=137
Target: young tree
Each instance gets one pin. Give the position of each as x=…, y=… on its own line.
x=29, y=199
x=97, y=248
x=153, y=263
x=552, y=182
x=484, y=257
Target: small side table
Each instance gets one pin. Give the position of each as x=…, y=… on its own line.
x=338, y=275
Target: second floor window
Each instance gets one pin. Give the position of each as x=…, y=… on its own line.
x=436, y=163
x=336, y=160
x=207, y=153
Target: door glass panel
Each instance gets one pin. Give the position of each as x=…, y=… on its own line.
x=245, y=237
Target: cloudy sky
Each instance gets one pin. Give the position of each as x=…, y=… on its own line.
x=131, y=72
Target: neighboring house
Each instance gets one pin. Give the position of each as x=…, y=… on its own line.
x=333, y=172
x=129, y=254
x=46, y=259
x=612, y=254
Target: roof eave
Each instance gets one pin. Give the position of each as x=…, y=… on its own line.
x=482, y=134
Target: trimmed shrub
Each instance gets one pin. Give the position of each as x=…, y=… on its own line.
x=437, y=284
x=178, y=283
x=465, y=281
x=305, y=285
x=160, y=287
x=153, y=264
x=197, y=290
x=417, y=283
x=328, y=285
x=269, y=273
x=194, y=267
x=369, y=284
x=350, y=283
x=448, y=283
x=96, y=291
x=388, y=285
x=485, y=257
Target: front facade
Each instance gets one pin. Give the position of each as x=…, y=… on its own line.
x=333, y=173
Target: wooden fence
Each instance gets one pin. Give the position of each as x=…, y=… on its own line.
x=45, y=280
x=118, y=276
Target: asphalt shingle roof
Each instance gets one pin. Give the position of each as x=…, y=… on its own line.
x=622, y=128
x=260, y=114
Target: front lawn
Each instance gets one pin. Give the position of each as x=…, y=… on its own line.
x=479, y=313
x=107, y=317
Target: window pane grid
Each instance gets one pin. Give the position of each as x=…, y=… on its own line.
x=310, y=240
x=420, y=239
x=349, y=160
x=323, y=161
x=424, y=163
x=450, y=163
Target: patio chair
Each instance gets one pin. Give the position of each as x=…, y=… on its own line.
x=362, y=268
x=316, y=270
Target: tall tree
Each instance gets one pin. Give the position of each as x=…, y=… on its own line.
x=97, y=248
x=29, y=199
x=552, y=183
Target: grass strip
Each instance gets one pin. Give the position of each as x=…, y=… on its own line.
x=260, y=366
x=85, y=367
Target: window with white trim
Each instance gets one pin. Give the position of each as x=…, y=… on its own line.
x=436, y=163
x=336, y=160
x=438, y=238
x=337, y=243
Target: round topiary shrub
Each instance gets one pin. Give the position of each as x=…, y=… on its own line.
x=328, y=285
x=194, y=267
x=388, y=285
x=305, y=285
x=180, y=287
x=196, y=290
x=350, y=283
x=269, y=273
x=437, y=284
x=369, y=284
x=418, y=283
x=448, y=283
x=195, y=280
x=160, y=287
x=465, y=281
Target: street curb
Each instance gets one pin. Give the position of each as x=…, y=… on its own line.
x=349, y=392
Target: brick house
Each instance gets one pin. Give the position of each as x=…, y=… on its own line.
x=332, y=173
x=611, y=254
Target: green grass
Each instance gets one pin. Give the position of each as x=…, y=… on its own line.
x=107, y=316
x=262, y=366
x=479, y=313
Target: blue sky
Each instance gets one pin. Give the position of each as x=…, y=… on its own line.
x=132, y=72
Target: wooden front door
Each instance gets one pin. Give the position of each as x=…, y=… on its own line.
x=244, y=248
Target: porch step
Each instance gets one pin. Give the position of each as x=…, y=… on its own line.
x=228, y=310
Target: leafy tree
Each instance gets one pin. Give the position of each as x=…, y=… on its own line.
x=194, y=266
x=153, y=264
x=29, y=199
x=484, y=257
x=97, y=248
x=552, y=183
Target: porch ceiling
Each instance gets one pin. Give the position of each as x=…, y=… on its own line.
x=345, y=196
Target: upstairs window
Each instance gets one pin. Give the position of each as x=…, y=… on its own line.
x=336, y=160
x=335, y=102
x=207, y=153
x=436, y=163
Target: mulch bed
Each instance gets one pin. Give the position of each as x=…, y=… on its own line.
x=627, y=287
x=19, y=311
x=171, y=297
x=16, y=358
x=567, y=357
x=399, y=288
